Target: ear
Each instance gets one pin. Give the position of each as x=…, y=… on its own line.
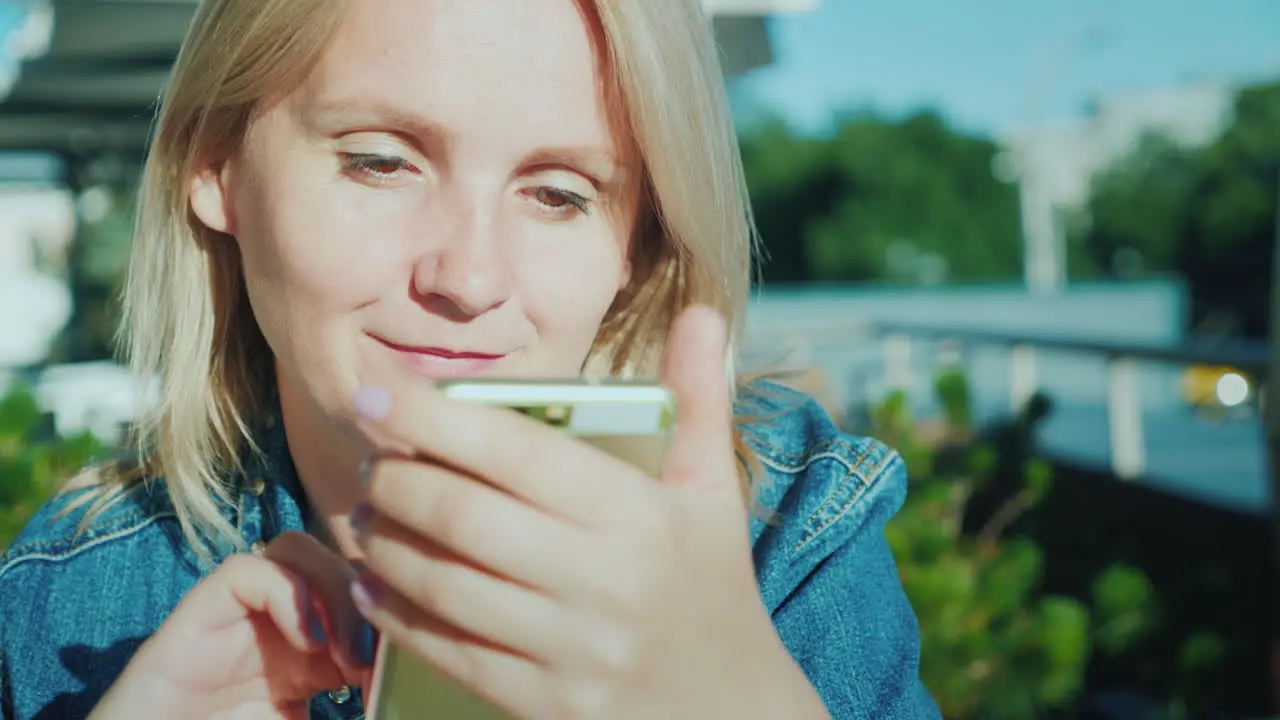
x=209, y=198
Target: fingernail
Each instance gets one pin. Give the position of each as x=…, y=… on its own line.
x=360, y=517
x=363, y=594
x=372, y=403
x=366, y=639
x=315, y=629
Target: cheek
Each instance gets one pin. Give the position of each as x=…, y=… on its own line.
x=567, y=291
x=305, y=244
x=311, y=263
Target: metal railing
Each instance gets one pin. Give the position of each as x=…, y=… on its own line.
x=1128, y=449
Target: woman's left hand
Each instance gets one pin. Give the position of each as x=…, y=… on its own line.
x=556, y=581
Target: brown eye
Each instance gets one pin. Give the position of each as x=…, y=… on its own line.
x=376, y=168
x=554, y=199
x=382, y=165
x=550, y=198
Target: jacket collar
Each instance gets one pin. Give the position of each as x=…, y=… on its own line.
x=264, y=497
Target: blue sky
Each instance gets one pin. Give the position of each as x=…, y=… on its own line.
x=993, y=64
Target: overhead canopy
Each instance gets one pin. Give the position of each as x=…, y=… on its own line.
x=95, y=89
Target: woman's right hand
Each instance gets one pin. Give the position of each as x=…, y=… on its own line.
x=257, y=638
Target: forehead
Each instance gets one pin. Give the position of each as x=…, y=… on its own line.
x=526, y=70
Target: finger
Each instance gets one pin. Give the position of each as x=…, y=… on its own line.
x=330, y=577
x=482, y=524
x=521, y=456
x=245, y=586
x=444, y=585
x=510, y=681
x=299, y=677
x=694, y=369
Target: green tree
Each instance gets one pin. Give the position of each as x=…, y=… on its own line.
x=1137, y=205
x=909, y=200
x=1206, y=213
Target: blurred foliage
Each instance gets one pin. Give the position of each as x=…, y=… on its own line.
x=914, y=201
x=911, y=201
x=1207, y=213
x=1126, y=603
x=993, y=646
x=95, y=272
x=32, y=460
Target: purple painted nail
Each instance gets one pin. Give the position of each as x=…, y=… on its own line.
x=365, y=641
x=373, y=403
x=364, y=594
x=359, y=518
x=315, y=628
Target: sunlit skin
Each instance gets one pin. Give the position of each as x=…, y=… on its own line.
x=416, y=203
x=448, y=194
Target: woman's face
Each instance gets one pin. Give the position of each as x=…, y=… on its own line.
x=446, y=192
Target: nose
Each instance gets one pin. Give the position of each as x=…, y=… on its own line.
x=463, y=269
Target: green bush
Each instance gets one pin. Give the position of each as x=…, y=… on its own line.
x=992, y=645
x=32, y=463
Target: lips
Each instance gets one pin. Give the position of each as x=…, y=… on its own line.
x=439, y=363
x=444, y=352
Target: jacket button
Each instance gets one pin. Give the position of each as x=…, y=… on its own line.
x=341, y=695
x=258, y=486
x=258, y=547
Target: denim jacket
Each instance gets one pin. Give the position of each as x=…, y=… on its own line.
x=75, y=606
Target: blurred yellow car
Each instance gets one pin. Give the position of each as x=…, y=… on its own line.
x=1215, y=388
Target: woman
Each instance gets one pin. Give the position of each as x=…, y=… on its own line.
x=344, y=201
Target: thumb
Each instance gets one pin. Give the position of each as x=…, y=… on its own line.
x=694, y=370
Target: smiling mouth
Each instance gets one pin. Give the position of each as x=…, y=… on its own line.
x=439, y=363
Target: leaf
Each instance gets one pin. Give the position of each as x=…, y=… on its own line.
x=1201, y=652
x=1010, y=577
x=1063, y=626
x=19, y=413
x=1038, y=474
x=982, y=459
x=1124, y=603
x=952, y=389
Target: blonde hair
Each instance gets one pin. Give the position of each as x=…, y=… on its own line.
x=186, y=317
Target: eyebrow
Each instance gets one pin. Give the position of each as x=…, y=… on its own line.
x=329, y=116
x=332, y=115
x=604, y=166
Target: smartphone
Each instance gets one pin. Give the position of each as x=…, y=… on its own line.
x=631, y=420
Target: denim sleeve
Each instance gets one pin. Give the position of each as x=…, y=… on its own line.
x=6, y=697
x=7, y=711
x=852, y=629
